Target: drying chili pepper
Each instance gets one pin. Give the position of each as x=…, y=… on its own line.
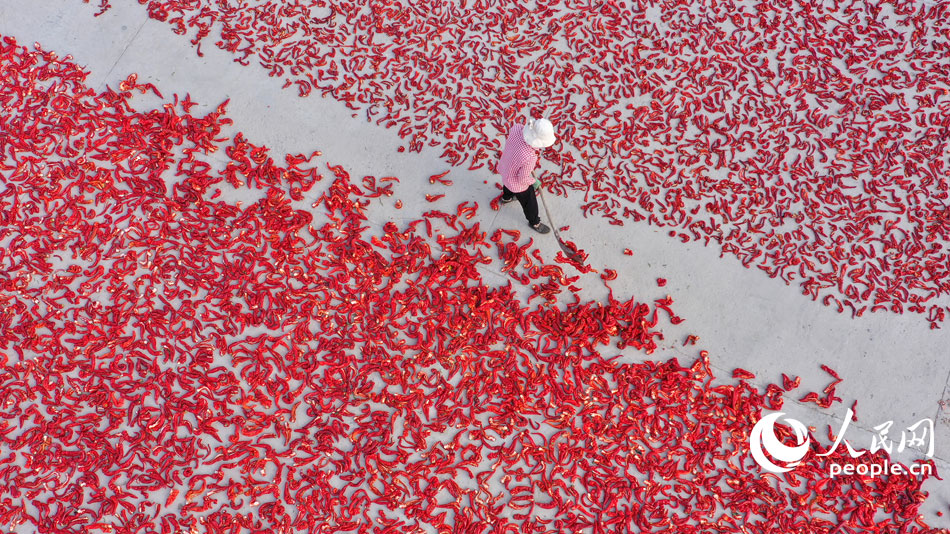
x=771, y=161
x=742, y=374
x=206, y=365
x=440, y=178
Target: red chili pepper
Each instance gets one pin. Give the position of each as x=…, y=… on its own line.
x=742, y=374
x=341, y=409
x=440, y=178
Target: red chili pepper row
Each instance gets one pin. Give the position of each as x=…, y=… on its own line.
x=174, y=362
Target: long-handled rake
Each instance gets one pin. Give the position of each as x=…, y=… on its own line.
x=573, y=255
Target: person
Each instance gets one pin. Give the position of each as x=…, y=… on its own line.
x=517, y=163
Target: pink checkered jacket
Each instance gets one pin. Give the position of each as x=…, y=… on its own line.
x=517, y=161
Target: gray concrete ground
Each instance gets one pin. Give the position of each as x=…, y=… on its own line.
x=893, y=365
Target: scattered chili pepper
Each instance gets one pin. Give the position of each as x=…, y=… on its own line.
x=742, y=373
x=205, y=365
x=440, y=178
x=799, y=206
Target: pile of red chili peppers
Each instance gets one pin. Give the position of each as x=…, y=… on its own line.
x=808, y=139
x=176, y=363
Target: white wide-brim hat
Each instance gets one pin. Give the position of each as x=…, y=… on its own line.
x=539, y=133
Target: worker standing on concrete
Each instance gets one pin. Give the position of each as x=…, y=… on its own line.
x=517, y=164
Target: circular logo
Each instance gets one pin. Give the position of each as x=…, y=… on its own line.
x=763, y=437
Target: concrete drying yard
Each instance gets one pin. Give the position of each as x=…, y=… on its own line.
x=894, y=365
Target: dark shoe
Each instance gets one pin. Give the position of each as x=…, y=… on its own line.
x=507, y=200
x=541, y=228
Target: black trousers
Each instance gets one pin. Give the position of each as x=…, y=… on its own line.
x=528, y=201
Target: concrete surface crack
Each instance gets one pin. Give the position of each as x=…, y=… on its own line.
x=124, y=50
